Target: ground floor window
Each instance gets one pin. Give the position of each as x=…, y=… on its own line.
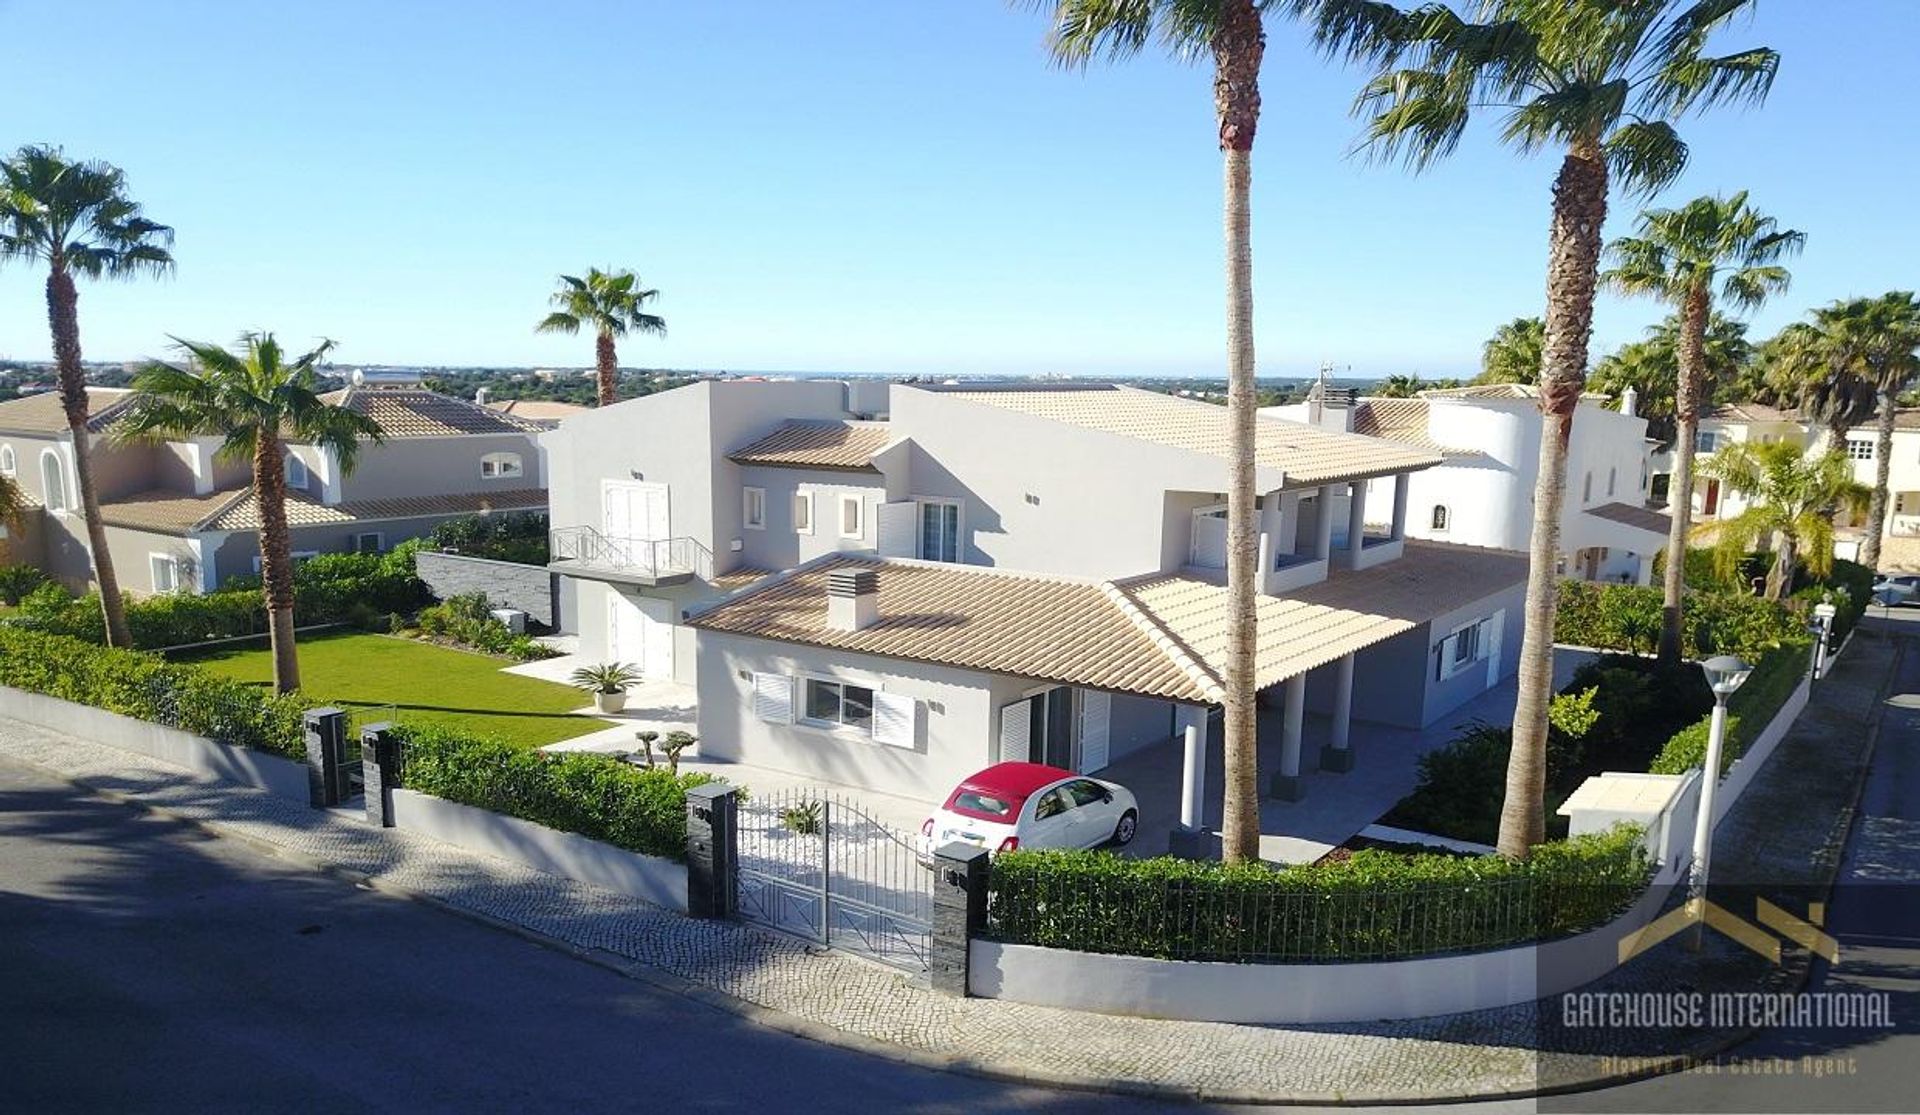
x=837, y=704
x=166, y=573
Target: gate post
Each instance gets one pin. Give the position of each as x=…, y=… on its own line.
x=713, y=850
x=959, y=913
x=326, y=736
x=379, y=771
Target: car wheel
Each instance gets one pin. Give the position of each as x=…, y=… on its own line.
x=1124, y=831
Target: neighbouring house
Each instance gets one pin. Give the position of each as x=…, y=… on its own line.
x=892, y=590
x=1481, y=494
x=179, y=519
x=545, y=413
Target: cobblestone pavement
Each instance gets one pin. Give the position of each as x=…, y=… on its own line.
x=1510, y=1050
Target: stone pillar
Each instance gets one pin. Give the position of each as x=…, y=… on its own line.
x=1402, y=489
x=1286, y=784
x=1356, y=522
x=960, y=873
x=1336, y=756
x=379, y=771
x=1323, y=524
x=326, y=737
x=713, y=850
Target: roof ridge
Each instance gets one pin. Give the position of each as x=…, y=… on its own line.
x=226, y=505
x=1164, y=641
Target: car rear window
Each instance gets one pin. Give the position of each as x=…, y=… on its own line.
x=985, y=805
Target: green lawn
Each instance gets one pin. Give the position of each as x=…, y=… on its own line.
x=423, y=684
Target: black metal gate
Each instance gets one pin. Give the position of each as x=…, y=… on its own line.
x=817, y=865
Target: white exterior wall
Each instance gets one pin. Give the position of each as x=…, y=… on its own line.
x=1903, y=515
x=1732, y=503
x=778, y=545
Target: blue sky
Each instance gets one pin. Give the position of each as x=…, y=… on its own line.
x=854, y=185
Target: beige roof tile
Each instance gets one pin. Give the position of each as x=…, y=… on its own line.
x=174, y=512
x=43, y=415
x=1750, y=412
x=1307, y=456
x=1501, y=391
x=405, y=412
x=544, y=411
x=1161, y=635
x=167, y=511
x=1401, y=420
x=830, y=445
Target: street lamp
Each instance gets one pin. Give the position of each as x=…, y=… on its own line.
x=1725, y=673
x=1823, y=617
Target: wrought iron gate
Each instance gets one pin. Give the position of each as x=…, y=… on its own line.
x=817, y=865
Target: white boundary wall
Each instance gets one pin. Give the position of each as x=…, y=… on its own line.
x=649, y=878
x=283, y=777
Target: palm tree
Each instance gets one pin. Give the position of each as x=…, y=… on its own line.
x=1680, y=256
x=259, y=402
x=1399, y=387
x=1651, y=366
x=76, y=218
x=612, y=304
x=1232, y=33
x=1789, y=496
x=1513, y=353
x=1600, y=80
x=1817, y=366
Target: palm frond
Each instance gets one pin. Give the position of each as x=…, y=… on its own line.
x=1645, y=156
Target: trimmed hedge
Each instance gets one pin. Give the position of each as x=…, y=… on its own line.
x=1751, y=708
x=1627, y=618
x=147, y=687
x=597, y=796
x=1373, y=905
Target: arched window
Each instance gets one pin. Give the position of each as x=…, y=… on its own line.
x=53, y=481
x=500, y=466
x=1441, y=516
x=296, y=472
x=7, y=461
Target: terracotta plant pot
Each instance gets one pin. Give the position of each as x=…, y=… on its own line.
x=610, y=702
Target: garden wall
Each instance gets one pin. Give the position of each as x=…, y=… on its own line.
x=505, y=584
x=649, y=878
x=283, y=777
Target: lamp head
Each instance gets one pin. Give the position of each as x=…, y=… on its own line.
x=1725, y=673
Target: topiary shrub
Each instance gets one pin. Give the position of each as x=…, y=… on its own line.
x=16, y=581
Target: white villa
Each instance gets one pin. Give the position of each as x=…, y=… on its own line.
x=1481, y=493
x=891, y=588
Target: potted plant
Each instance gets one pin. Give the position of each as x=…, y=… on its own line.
x=608, y=683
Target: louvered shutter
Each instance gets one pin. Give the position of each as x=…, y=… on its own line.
x=896, y=720
x=1096, y=717
x=898, y=530
x=773, y=698
x=1490, y=631
x=1016, y=732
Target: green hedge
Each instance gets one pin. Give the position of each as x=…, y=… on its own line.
x=1627, y=618
x=1374, y=905
x=1751, y=708
x=147, y=687
x=597, y=796
x=510, y=537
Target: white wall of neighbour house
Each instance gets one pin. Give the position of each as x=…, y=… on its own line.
x=429, y=466
x=1050, y=497
x=1730, y=503
x=1903, y=479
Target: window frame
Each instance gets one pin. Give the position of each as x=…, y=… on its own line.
x=1706, y=441
x=859, y=505
x=750, y=498
x=839, y=725
x=959, y=527
x=498, y=462
x=802, y=511
x=306, y=474
x=157, y=561
x=9, y=459
x=1440, y=520
x=1861, y=449
x=379, y=541
x=1467, y=635
x=48, y=480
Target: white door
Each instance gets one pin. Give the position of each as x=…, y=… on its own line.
x=626, y=631
x=635, y=511
x=1209, y=549
x=656, y=638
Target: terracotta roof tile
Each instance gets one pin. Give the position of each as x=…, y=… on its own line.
x=831, y=445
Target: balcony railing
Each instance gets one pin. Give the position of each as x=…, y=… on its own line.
x=647, y=558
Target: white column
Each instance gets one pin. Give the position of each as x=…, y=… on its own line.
x=1402, y=488
x=1336, y=757
x=1286, y=784
x=1356, y=521
x=1191, y=721
x=1323, y=524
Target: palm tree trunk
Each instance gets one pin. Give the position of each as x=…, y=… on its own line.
x=1780, y=577
x=1882, y=469
x=1573, y=270
x=1687, y=402
x=63, y=315
x=606, y=366
x=276, y=560
x=1238, y=46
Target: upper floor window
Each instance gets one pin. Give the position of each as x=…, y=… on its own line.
x=940, y=530
x=1860, y=448
x=753, y=508
x=1613, y=476
x=803, y=512
x=53, y=481
x=1706, y=441
x=1441, y=516
x=500, y=466
x=7, y=461
x=296, y=472
x=1586, y=489
x=853, y=517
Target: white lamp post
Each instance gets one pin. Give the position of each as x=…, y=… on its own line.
x=1823, y=617
x=1724, y=673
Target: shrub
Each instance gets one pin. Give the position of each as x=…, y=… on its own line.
x=17, y=581
x=468, y=620
x=1370, y=905
x=596, y=796
x=506, y=537
x=1751, y=708
x=1627, y=618
x=147, y=687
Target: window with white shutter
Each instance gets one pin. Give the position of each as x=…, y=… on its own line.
x=1016, y=732
x=1096, y=716
x=773, y=698
x=896, y=720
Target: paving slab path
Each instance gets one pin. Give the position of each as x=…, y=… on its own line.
x=828, y=995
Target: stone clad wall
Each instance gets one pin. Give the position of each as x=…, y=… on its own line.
x=505, y=583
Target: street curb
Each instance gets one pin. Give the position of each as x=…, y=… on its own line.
x=793, y=1025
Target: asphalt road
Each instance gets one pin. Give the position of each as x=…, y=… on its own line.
x=146, y=966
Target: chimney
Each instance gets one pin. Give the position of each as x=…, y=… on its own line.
x=481, y=395
x=853, y=599
x=1629, y=401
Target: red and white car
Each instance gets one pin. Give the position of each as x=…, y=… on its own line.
x=1032, y=805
